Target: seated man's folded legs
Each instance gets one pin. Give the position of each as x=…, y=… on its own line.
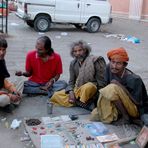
x=33, y=88
x=61, y=98
x=129, y=106
x=106, y=107
x=86, y=92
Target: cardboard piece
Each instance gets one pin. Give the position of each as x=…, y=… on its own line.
x=140, y=141
x=51, y=140
x=142, y=138
x=108, y=138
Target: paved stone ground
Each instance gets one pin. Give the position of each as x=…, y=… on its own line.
x=22, y=38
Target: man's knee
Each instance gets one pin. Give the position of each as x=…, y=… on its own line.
x=59, y=85
x=4, y=100
x=110, y=92
x=90, y=86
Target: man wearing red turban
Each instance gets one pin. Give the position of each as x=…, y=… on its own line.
x=125, y=93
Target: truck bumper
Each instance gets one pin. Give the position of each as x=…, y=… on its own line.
x=23, y=17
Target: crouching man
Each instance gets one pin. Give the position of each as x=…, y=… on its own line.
x=125, y=94
x=9, y=93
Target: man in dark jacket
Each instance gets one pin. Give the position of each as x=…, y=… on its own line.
x=125, y=93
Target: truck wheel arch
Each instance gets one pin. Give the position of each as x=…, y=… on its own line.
x=93, y=24
x=42, y=22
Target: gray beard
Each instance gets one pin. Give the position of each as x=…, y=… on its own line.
x=81, y=58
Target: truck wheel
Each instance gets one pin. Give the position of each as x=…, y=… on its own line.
x=42, y=23
x=30, y=24
x=93, y=25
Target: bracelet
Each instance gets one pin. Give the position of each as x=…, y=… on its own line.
x=54, y=80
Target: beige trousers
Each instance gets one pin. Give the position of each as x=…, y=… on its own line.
x=5, y=100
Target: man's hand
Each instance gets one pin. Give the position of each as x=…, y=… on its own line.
x=15, y=97
x=117, y=83
x=18, y=73
x=48, y=85
x=17, y=93
x=114, y=81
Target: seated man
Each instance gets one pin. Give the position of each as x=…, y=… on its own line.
x=8, y=92
x=125, y=93
x=86, y=77
x=43, y=67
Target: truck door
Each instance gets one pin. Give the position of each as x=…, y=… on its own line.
x=68, y=11
x=95, y=8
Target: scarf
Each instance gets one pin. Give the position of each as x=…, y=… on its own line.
x=86, y=72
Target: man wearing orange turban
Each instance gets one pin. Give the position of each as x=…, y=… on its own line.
x=124, y=94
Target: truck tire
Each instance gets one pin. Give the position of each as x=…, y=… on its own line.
x=30, y=24
x=42, y=23
x=93, y=25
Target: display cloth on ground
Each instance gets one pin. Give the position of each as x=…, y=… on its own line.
x=62, y=132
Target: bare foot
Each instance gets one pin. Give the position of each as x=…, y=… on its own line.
x=44, y=88
x=72, y=101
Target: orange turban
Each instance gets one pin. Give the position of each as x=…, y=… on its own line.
x=118, y=53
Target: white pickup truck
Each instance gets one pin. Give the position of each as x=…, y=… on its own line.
x=89, y=14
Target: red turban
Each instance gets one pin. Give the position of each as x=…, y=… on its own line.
x=118, y=53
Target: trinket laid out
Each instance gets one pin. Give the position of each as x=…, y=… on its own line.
x=73, y=117
x=33, y=122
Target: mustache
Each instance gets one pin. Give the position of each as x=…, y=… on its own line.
x=81, y=56
x=40, y=51
x=114, y=69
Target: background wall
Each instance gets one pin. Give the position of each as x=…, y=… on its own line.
x=145, y=10
x=130, y=9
